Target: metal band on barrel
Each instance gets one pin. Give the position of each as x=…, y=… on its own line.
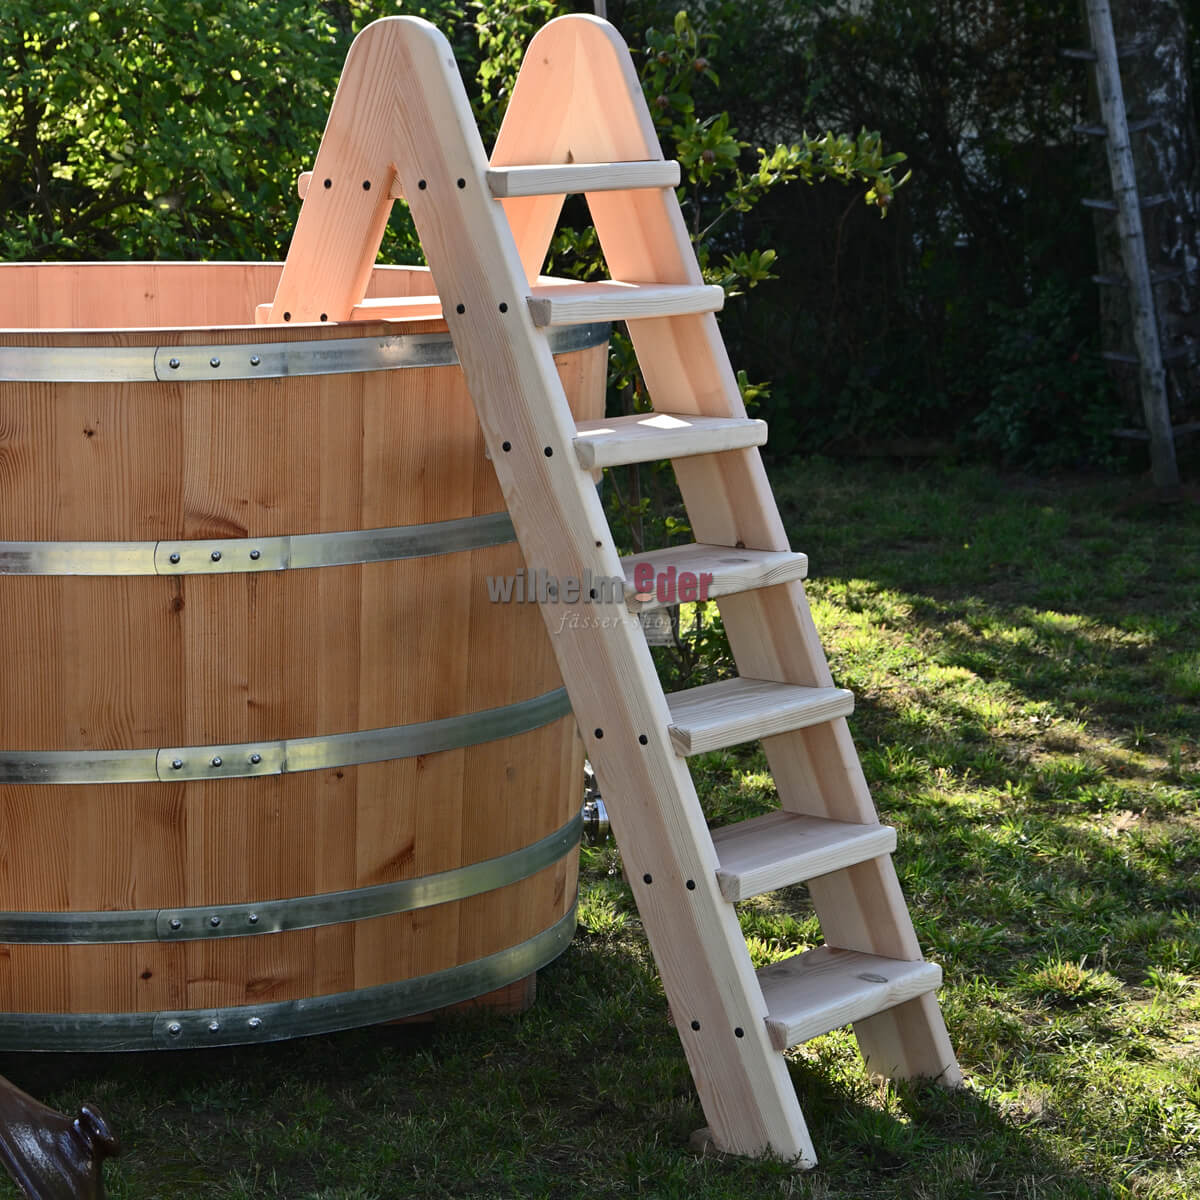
x=300, y=912
x=241, y=759
x=193, y=1028
x=223, y=556
x=257, y=360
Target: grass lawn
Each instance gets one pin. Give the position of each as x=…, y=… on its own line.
x=1026, y=658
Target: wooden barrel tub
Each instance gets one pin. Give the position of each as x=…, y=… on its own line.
x=271, y=761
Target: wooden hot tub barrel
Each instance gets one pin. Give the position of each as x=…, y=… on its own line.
x=271, y=761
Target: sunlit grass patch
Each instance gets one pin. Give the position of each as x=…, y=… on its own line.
x=1063, y=983
x=1181, y=675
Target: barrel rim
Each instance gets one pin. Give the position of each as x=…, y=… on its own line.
x=212, y=363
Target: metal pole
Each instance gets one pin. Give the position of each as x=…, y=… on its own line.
x=1152, y=378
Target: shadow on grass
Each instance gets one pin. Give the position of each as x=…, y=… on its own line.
x=464, y=1109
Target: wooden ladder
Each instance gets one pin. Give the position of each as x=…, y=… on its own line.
x=577, y=122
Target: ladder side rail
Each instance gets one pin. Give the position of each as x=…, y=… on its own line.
x=1151, y=372
x=743, y=1083
x=341, y=226
x=730, y=502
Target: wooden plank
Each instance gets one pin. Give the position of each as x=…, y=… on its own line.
x=781, y=848
x=649, y=437
x=730, y=711
x=825, y=989
x=566, y=302
x=379, y=309
x=719, y=570
x=391, y=307
x=560, y=179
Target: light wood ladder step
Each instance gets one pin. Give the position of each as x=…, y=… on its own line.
x=782, y=848
x=739, y=710
x=567, y=178
x=570, y=303
x=649, y=437
x=652, y=579
x=826, y=988
x=377, y=309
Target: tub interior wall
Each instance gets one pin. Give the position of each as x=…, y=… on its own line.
x=158, y=295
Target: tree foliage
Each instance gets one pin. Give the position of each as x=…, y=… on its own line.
x=176, y=130
x=156, y=129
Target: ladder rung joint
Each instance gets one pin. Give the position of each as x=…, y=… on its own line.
x=1156, y=277
x=657, y=579
x=827, y=988
x=650, y=437
x=616, y=300
x=1110, y=206
x=564, y=179
x=783, y=848
x=1134, y=126
x=716, y=715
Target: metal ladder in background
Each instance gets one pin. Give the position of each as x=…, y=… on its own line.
x=401, y=124
x=1127, y=207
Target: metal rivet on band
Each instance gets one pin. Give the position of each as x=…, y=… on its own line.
x=255, y=360
x=215, y=556
x=252, y=918
x=256, y=555
x=255, y=1022
x=175, y=557
x=174, y=1029
x=214, y=361
x=216, y=760
x=174, y=364
x=177, y=764
x=176, y=923
x=256, y=759
x=214, y=921
x=214, y=1027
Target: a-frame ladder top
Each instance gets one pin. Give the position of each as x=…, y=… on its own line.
x=401, y=124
